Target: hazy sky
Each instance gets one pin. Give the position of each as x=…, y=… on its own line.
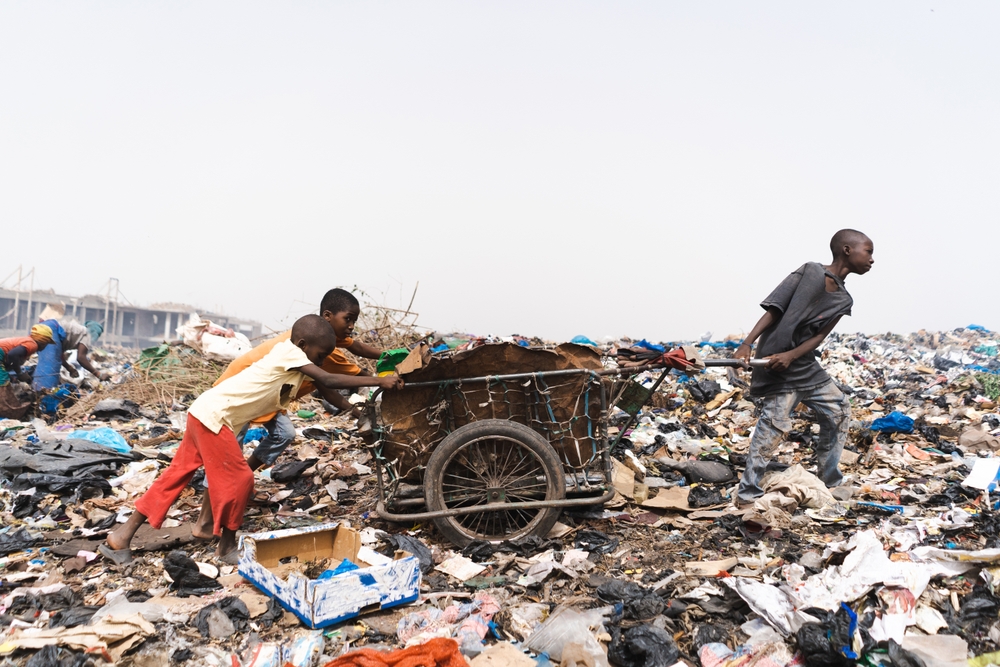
x=551, y=168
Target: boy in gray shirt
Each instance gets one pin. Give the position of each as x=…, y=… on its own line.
x=799, y=314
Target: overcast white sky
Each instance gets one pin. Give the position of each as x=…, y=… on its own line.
x=650, y=169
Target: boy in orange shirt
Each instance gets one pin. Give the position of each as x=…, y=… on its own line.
x=341, y=309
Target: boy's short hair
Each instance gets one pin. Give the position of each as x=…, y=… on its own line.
x=314, y=330
x=845, y=237
x=338, y=301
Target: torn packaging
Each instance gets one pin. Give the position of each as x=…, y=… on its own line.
x=116, y=635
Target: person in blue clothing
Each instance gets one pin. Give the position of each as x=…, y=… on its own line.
x=46, y=375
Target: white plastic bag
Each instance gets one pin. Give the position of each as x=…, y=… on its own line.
x=214, y=342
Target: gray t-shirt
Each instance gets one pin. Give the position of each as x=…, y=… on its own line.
x=76, y=333
x=806, y=307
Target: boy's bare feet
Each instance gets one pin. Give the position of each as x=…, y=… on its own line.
x=116, y=540
x=121, y=537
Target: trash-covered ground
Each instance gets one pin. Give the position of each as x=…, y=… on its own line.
x=898, y=566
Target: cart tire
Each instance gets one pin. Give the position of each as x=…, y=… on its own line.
x=493, y=456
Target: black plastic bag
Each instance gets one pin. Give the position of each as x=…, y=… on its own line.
x=232, y=607
x=412, y=545
x=55, y=656
x=704, y=496
x=480, y=550
x=529, y=545
x=709, y=634
x=703, y=391
x=181, y=655
x=595, y=542
x=638, y=603
x=828, y=642
x=711, y=472
x=286, y=472
x=272, y=615
x=188, y=580
x=902, y=658
x=72, y=617
x=642, y=646
x=114, y=408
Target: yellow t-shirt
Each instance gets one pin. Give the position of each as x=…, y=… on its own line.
x=265, y=386
x=337, y=362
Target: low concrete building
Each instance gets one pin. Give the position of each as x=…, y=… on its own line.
x=124, y=324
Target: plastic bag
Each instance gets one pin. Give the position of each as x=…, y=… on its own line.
x=103, y=436
x=894, y=422
x=570, y=626
x=638, y=603
x=828, y=642
x=642, y=646
x=214, y=342
x=188, y=579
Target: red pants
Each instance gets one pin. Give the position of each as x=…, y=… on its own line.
x=229, y=477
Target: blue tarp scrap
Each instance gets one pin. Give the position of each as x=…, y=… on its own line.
x=894, y=422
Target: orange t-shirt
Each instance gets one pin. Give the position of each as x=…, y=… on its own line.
x=337, y=362
x=28, y=343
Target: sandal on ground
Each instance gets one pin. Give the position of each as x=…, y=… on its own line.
x=116, y=556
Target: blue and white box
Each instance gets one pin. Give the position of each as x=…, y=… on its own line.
x=379, y=582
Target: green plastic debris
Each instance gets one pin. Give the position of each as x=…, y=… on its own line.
x=985, y=659
x=482, y=583
x=991, y=385
x=306, y=414
x=388, y=360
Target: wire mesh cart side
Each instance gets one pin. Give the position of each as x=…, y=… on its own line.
x=494, y=457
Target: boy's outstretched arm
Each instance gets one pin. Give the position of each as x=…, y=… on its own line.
x=781, y=361
x=326, y=380
x=770, y=316
x=363, y=350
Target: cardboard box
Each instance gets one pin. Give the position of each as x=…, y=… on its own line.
x=380, y=583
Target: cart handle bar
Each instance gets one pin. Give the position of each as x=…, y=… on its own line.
x=732, y=363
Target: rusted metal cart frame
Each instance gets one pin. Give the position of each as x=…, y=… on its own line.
x=586, y=491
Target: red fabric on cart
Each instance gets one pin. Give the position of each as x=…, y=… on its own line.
x=676, y=358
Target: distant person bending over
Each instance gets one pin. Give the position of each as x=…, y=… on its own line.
x=80, y=337
x=800, y=313
x=13, y=353
x=210, y=437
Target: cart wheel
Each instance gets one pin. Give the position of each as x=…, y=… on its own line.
x=493, y=461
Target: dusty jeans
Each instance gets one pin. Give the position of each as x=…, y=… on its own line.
x=833, y=411
x=280, y=434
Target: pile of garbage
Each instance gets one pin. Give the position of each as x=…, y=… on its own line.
x=899, y=566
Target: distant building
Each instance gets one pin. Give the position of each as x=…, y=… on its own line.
x=124, y=324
